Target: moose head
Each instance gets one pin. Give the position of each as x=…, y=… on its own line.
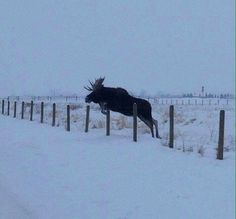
x=95, y=88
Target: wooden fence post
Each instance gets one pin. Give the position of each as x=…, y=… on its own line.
x=108, y=123
x=8, y=107
x=68, y=118
x=135, y=122
x=53, y=114
x=22, y=110
x=14, y=110
x=87, y=118
x=220, y=150
x=3, y=107
x=42, y=112
x=171, y=135
x=31, y=110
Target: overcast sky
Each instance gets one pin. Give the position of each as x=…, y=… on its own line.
x=169, y=46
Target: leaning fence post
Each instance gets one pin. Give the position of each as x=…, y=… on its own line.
x=14, y=110
x=171, y=135
x=3, y=102
x=53, y=114
x=31, y=110
x=8, y=107
x=22, y=110
x=108, y=122
x=135, y=112
x=220, y=150
x=42, y=112
x=87, y=118
x=68, y=118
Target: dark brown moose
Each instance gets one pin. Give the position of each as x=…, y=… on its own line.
x=119, y=100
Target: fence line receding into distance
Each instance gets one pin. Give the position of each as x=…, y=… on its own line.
x=220, y=148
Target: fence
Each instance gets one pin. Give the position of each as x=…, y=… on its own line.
x=68, y=121
x=192, y=101
x=157, y=100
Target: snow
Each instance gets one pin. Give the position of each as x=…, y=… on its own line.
x=49, y=173
x=55, y=47
x=189, y=120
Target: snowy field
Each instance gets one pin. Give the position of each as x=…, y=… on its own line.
x=196, y=126
x=47, y=172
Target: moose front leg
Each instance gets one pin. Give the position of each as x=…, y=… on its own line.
x=103, y=108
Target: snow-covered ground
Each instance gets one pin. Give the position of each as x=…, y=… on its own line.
x=196, y=126
x=46, y=172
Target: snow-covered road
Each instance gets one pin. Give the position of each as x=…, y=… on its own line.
x=48, y=173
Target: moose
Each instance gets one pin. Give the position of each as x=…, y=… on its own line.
x=119, y=100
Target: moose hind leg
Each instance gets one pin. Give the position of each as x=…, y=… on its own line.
x=149, y=123
x=156, y=127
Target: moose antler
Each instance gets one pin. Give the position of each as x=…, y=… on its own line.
x=96, y=85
